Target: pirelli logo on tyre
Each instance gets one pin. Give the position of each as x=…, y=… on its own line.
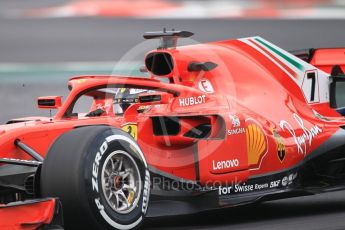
x=146, y=192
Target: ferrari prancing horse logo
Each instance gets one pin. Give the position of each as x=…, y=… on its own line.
x=131, y=129
x=281, y=151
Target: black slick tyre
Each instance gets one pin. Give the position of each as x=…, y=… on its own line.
x=101, y=177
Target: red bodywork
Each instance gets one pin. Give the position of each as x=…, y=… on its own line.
x=27, y=215
x=261, y=118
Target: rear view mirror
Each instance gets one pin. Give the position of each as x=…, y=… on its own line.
x=50, y=102
x=155, y=98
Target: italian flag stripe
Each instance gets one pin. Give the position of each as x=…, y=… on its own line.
x=284, y=56
x=282, y=65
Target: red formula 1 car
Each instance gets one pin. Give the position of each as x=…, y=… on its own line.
x=214, y=125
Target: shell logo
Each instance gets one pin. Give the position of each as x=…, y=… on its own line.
x=256, y=144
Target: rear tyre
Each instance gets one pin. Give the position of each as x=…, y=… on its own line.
x=101, y=177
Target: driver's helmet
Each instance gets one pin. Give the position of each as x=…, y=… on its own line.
x=125, y=97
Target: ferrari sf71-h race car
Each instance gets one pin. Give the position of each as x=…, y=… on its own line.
x=213, y=125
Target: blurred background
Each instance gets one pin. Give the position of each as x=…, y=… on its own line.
x=44, y=42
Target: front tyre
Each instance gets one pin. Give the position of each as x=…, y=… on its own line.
x=101, y=177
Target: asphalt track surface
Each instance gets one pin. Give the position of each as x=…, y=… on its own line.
x=61, y=40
